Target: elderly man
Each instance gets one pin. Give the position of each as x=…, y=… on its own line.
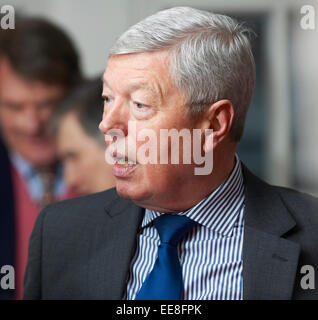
x=167, y=232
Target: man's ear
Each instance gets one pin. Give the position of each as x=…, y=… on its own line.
x=218, y=117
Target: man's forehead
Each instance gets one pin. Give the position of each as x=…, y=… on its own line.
x=139, y=62
x=134, y=85
x=138, y=71
x=33, y=92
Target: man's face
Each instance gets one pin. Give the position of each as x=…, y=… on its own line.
x=25, y=109
x=85, y=170
x=139, y=88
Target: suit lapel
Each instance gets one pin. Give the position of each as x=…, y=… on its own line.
x=110, y=266
x=269, y=261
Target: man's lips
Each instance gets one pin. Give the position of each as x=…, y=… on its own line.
x=123, y=166
x=123, y=169
x=122, y=159
x=125, y=162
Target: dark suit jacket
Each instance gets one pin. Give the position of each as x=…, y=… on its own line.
x=82, y=248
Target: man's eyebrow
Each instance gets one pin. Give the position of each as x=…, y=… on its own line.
x=105, y=83
x=144, y=86
x=67, y=154
x=139, y=85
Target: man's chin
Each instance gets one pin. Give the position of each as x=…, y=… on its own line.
x=128, y=192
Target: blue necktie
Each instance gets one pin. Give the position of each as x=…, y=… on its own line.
x=165, y=282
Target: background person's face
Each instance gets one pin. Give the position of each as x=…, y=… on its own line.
x=85, y=170
x=138, y=87
x=25, y=109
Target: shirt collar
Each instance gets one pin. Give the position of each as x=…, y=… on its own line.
x=23, y=167
x=33, y=178
x=220, y=209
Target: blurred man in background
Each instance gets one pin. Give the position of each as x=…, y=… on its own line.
x=80, y=144
x=38, y=66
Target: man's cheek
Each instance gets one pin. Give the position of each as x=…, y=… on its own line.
x=8, y=128
x=158, y=176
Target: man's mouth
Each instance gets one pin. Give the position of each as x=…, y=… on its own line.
x=123, y=167
x=124, y=162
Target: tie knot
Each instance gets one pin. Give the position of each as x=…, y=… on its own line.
x=172, y=228
x=48, y=197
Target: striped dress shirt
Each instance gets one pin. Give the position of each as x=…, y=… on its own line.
x=210, y=254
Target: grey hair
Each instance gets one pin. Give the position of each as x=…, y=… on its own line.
x=210, y=57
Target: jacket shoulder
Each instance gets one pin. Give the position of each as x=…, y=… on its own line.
x=84, y=209
x=302, y=206
x=83, y=202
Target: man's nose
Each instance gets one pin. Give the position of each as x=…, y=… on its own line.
x=32, y=121
x=115, y=117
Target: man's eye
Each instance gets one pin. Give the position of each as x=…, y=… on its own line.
x=14, y=106
x=139, y=105
x=107, y=99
